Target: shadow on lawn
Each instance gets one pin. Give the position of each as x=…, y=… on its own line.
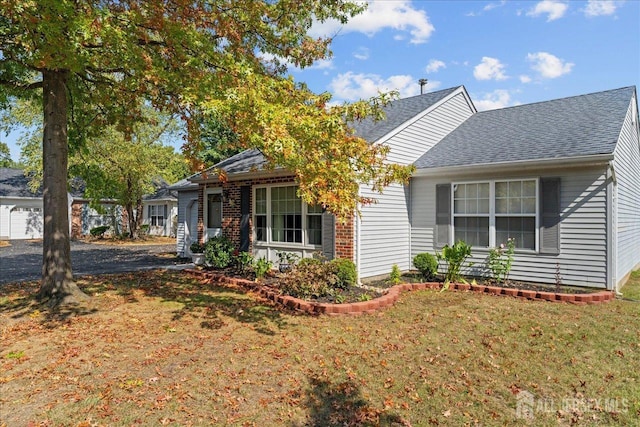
x=23, y=303
x=211, y=303
x=342, y=404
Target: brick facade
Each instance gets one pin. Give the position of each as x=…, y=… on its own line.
x=231, y=214
x=76, y=219
x=344, y=239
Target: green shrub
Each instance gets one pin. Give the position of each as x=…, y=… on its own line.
x=261, y=267
x=345, y=271
x=243, y=261
x=426, y=264
x=144, y=229
x=218, y=252
x=454, y=257
x=99, y=231
x=196, y=248
x=395, y=277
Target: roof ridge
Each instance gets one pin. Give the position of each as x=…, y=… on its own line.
x=558, y=99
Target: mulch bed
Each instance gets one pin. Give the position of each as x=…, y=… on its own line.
x=414, y=277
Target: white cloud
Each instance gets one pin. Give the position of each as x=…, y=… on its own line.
x=600, y=7
x=322, y=64
x=549, y=66
x=434, y=65
x=362, y=53
x=553, y=9
x=398, y=15
x=525, y=79
x=351, y=86
x=489, y=69
x=491, y=6
x=499, y=98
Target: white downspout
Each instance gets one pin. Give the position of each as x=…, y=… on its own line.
x=358, y=233
x=611, y=229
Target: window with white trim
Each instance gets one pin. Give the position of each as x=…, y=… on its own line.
x=471, y=213
x=515, y=213
x=157, y=214
x=488, y=213
x=280, y=216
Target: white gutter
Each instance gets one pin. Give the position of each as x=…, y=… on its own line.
x=213, y=178
x=524, y=165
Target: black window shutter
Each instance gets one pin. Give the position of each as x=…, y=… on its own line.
x=245, y=213
x=328, y=235
x=550, y=215
x=443, y=215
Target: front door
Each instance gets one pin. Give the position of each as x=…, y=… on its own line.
x=214, y=215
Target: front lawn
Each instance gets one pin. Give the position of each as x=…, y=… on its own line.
x=159, y=348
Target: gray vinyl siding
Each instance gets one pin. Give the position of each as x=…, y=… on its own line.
x=184, y=198
x=385, y=228
x=583, y=251
x=414, y=140
x=627, y=173
x=384, y=238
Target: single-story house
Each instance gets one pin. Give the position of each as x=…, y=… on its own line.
x=561, y=177
x=21, y=209
x=160, y=210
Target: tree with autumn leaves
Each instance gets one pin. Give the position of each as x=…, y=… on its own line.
x=95, y=64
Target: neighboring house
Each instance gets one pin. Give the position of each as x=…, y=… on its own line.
x=160, y=210
x=21, y=209
x=187, y=221
x=561, y=177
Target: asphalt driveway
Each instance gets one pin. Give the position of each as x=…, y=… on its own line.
x=22, y=261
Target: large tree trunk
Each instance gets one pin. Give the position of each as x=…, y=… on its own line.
x=57, y=285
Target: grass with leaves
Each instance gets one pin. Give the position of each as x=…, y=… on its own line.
x=160, y=348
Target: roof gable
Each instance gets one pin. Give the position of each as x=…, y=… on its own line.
x=577, y=126
x=398, y=112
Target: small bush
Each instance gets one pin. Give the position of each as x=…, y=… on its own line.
x=345, y=271
x=261, y=267
x=395, y=277
x=243, y=261
x=426, y=264
x=144, y=230
x=454, y=257
x=218, y=252
x=99, y=231
x=308, y=261
x=196, y=248
x=310, y=280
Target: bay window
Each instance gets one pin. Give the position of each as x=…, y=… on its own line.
x=280, y=216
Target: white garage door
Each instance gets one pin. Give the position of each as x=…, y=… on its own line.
x=26, y=223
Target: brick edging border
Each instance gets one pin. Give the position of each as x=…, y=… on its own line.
x=389, y=298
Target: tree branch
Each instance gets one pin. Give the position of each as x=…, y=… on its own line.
x=16, y=85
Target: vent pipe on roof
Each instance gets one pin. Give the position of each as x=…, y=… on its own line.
x=423, y=83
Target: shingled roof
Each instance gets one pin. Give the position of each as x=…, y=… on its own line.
x=13, y=183
x=396, y=113
x=577, y=126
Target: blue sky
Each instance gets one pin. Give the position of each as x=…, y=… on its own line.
x=504, y=52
